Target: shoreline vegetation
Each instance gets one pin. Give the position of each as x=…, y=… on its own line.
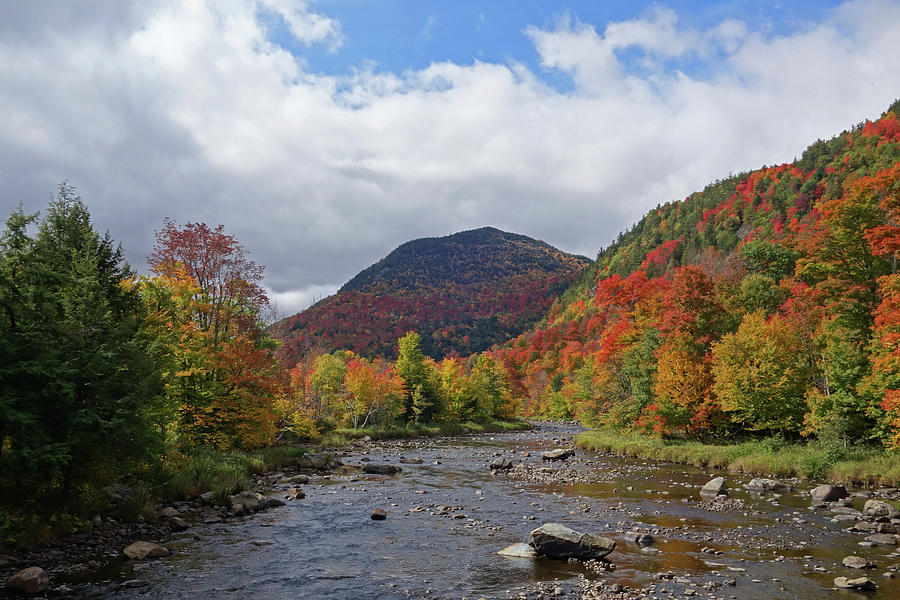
x=856, y=465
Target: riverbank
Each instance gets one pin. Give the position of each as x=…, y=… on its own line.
x=343, y=436
x=186, y=475
x=864, y=466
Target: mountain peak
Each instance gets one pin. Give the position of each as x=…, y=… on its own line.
x=462, y=292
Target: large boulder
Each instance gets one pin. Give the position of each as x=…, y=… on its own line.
x=554, y=540
x=762, y=486
x=30, y=581
x=380, y=469
x=879, y=509
x=558, y=454
x=714, y=487
x=141, y=550
x=246, y=501
x=828, y=493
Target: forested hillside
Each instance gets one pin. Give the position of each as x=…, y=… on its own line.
x=766, y=302
x=463, y=293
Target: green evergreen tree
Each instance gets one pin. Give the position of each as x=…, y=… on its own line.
x=75, y=375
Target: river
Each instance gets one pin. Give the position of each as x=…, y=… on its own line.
x=449, y=515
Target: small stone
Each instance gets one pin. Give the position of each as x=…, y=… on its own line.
x=140, y=550
x=379, y=514
x=761, y=485
x=30, y=581
x=882, y=539
x=262, y=542
x=558, y=454
x=714, y=487
x=378, y=469
x=169, y=512
x=857, y=562
x=879, y=509
x=178, y=524
x=501, y=464
x=295, y=494
x=828, y=493
x=860, y=583
x=644, y=539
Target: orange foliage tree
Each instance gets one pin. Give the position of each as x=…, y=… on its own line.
x=219, y=367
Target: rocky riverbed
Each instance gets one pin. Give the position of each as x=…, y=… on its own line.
x=426, y=518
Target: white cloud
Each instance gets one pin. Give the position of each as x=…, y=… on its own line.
x=189, y=110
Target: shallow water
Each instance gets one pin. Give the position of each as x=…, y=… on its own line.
x=326, y=546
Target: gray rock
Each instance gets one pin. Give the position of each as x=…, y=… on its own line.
x=714, y=487
x=554, y=540
x=118, y=493
x=882, y=539
x=879, y=509
x=828, y=493
x=295, y=494
x=845, y=510
x=246, y=501
x=141, y=550
x=411, y=461
x=299, y=479
x=501, y=464
x=274, y=502
x=380, y=469
x=208, y=497
x=519, y=550
x=644, y=539
x=860, y=583
x=857, y=562
x=169, y=512
x=379, y=514
x=558, y=454
x=178, y=524
x=262, y=542
x=762, y=486
x=30, y=581
x=135, y=583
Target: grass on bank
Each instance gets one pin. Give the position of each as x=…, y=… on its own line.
x=223, y=472
x=857, y=465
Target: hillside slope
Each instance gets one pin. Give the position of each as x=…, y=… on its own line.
x=768, y=301
x=462, y=293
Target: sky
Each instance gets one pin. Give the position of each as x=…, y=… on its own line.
x=323, y=134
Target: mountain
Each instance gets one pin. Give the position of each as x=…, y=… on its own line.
x=768, y=301
x=462, y=293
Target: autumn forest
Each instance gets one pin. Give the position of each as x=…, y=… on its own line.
x=767, y=304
